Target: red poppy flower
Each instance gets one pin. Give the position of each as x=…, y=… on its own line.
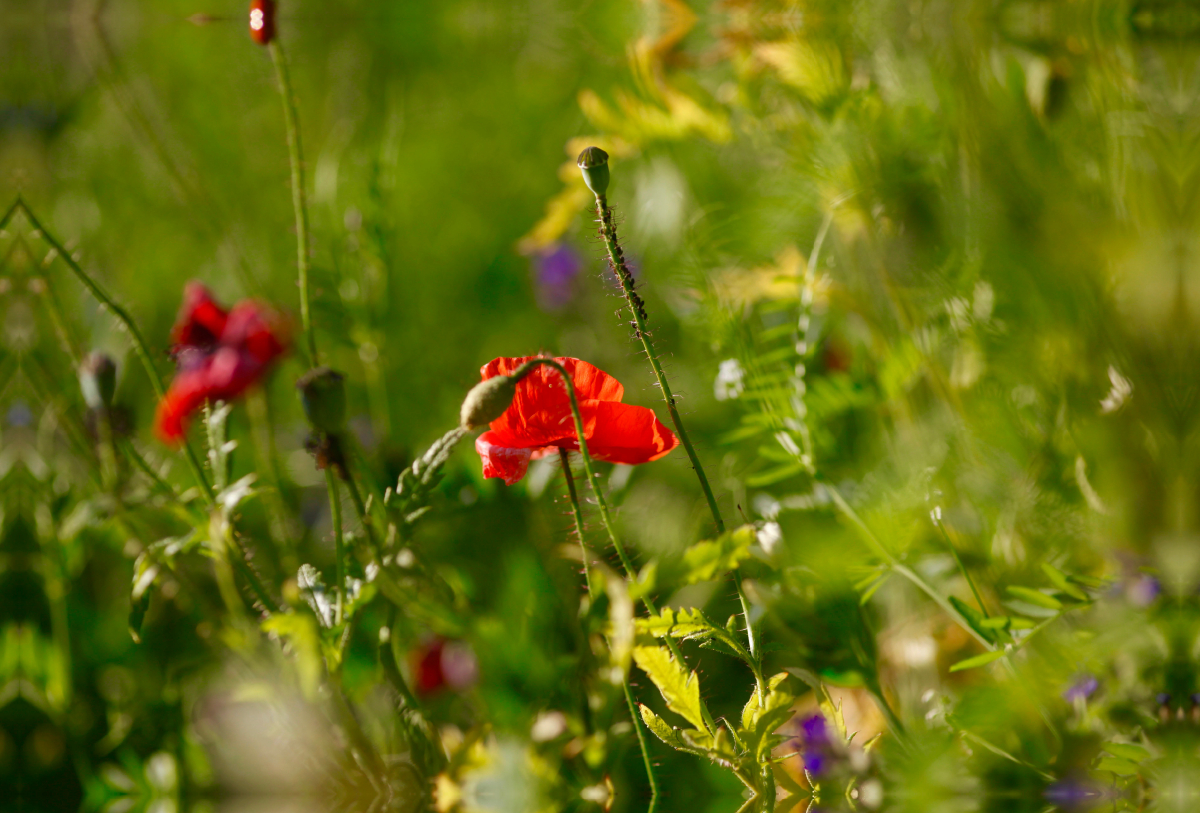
x=220, y=354
x=262, y=21
x=440, y=664
x=539, y=421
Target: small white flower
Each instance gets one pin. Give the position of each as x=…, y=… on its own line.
x=769, y=536
x=730, y=382
x=1118, y=395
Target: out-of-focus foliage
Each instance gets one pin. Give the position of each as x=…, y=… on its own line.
x=921, y=275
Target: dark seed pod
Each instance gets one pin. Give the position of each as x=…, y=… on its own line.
x=323, y=395
x=262, y=21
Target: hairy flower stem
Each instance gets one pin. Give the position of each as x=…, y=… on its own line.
x=606, y=516
x=617, y=257
x=339, y=552
x=577, y=511
x=140, y=348
x=645, y=747
x=291, y=126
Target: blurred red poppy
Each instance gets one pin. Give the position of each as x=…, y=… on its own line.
x=262, y=21
x=441, y=664
x=539, y=421
x=220, y=354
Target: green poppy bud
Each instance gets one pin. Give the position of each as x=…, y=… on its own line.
x=323, y=394
x=593, y=163
x=488, y=400
x=98, y=380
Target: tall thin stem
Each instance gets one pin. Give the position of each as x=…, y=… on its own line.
x=291, y=126
x=339, y=553
x=645, y=748
x=577, y=511
x=638, y=308
x=140, y=348
x=605, y=516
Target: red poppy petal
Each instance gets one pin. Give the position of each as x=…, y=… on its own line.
x=257, y=329
x=201, y=320
x=622, y=433
x=500, y=460
x=187, y=394
x=540, y=413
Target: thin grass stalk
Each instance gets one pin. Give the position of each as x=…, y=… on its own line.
x=291, y=124
x=141, y=349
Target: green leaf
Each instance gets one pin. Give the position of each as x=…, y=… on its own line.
x=751, y=707
x=978, y=660
x=1127, y=750
x=759, y=721
x=1117, y=765
x=774, y=476
x=1060, y=581
x=679, y=686
x=1036, y=597
x=976, y=619
x=660, y=729
x=302, y=634
x=706, y=561
x=681, y=624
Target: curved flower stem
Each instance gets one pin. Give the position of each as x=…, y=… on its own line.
x=615, y=255
x=339, y=553
x=299, y=203
x=140, y=348
x=602, y=504
x=577, y=511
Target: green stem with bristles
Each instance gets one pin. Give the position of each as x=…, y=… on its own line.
x=616, y=256
x=577, y=512
x=291, y=124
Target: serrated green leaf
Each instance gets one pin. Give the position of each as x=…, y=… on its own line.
x=706, y=561
x=678, y=686
x=752, y=706
x=1035, y=597
x=1059, y=579
x=1117, y=765
x=681, y=624
x=660, y=729
x=978, y=660
x=1127, y=750
x=759, y=721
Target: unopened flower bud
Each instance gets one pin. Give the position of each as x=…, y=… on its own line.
x=323, y=394
x=593, y=163
x=262, y=21
x=98, y=380
x=487, y=401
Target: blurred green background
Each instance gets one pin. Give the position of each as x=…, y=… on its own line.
x=1003, y=197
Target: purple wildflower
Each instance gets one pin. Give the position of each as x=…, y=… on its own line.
x=555, y=270
x=1081, y=688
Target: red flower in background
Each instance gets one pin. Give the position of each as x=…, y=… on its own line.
x=262, y=21
x=441, y=664
x=220, y=354
x=539, y=421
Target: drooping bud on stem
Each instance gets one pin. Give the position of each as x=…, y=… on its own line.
x=323, y=395
x=98, y=380
x=593, y=163
x=262, y=21
x=488, y=400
